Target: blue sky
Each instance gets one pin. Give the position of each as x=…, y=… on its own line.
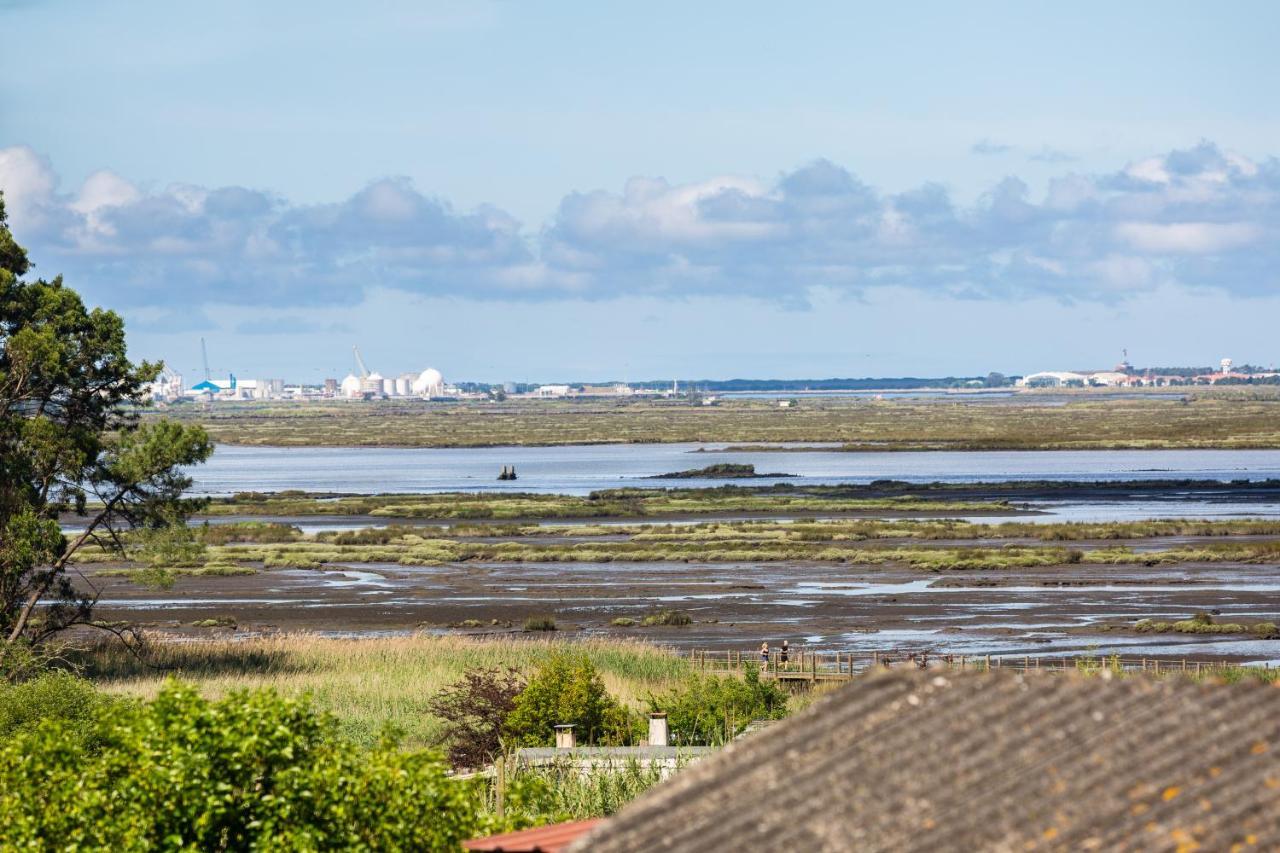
x=533, y=191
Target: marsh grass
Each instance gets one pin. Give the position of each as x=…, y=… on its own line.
x=611, y=503
x=369, y=683
x=1199, y=417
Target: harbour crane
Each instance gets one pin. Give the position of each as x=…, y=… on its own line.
x=360, y=368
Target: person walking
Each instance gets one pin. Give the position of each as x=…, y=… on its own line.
x=764, y=656
x=784, y=654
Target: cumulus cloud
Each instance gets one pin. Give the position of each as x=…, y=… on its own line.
x=1198, y=217
x=190, y=245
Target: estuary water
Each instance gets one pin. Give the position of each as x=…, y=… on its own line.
x=580, y=469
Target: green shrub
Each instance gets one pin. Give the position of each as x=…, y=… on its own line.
x=152, y=577
x=712, y=710
x=623, y=622
x=540, y=623
x=567, y=689
x=667, y=617
x=55, y=695
x=215, y=622
x=251, y=771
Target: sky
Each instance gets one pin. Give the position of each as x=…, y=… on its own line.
x=541, y=191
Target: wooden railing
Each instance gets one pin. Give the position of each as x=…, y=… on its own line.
x=805, y=665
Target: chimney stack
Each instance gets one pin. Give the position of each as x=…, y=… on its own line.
x=658, y=729
x=564, y=737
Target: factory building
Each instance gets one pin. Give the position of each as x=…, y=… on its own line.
x=350, y=386
x=430, y=383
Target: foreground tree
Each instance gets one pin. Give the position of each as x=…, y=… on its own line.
x=71, y=440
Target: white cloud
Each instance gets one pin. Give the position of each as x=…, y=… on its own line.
x=1188, y=236
x=1151, y=170
x=1199, y=217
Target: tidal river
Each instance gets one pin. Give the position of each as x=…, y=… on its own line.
x=581, y=469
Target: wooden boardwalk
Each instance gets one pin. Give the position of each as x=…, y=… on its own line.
x=804, y=666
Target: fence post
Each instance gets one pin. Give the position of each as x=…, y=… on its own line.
x=1026, y=663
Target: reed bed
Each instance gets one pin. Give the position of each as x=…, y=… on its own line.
x=368, y=683
x=418, y=552
x=614, y=503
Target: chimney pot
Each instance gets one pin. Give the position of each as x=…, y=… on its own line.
x=658, y=729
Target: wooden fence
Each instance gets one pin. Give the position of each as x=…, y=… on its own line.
x=810, y=666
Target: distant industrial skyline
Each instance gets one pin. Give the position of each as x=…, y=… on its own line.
x=527, y=192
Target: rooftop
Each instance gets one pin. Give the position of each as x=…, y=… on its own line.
x=541, y=839
x=919, y=761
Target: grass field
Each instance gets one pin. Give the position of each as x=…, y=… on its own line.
x=923, y=544
x=614, y=503
x=1203, y=418
x=368, y=683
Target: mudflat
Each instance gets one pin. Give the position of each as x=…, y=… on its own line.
x=1075, y=609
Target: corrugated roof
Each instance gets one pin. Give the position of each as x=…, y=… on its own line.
x=917, y=761
x=540, y=839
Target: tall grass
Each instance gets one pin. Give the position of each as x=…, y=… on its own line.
x=575, y=793
x=369, y=683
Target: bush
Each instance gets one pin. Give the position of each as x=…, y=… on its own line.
x=54, y=695
x=252, y=771
x=623, y=622
x=539, y=623
x=667, y=617
x=474, y=709
x=712, y=710
x=567, y=689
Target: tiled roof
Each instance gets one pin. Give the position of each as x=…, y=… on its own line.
x=541, y=839
x=919, y=761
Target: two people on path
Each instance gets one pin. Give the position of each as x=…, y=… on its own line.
x=784, y=654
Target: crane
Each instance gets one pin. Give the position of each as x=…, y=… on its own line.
x=204, y=354
x=360, y=368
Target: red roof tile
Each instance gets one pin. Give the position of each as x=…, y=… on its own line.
x=541, y=839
